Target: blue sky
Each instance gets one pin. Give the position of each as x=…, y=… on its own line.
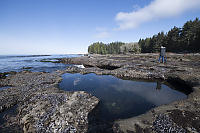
x=70, y=26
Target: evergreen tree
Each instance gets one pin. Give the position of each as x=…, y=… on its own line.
x=185, y=39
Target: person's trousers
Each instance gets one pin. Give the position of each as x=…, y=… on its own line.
x=163, y=59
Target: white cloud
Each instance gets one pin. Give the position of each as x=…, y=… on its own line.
x=102, y=33
x=136, y=7
x=101, y=29
x=155, y=10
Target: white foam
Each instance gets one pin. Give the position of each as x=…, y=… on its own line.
x=80, y=66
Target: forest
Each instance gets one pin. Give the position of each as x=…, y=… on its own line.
x=101, y=48
x=178, y=40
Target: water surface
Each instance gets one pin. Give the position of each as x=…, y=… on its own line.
x=5, y=87
x=120, y=99
x=32, y=62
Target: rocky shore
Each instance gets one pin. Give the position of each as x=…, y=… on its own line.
x=181, y=70
x=42, y=107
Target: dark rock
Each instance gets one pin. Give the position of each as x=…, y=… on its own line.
x=54, y=60
x=5, y=74
x=27, y=67
x=163, y=124
x=186, y=119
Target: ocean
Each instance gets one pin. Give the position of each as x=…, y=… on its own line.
x=32, y=62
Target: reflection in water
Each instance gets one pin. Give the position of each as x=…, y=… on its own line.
x=9, y=121
x=158, y=85
x=120, y=98
x=2, y=88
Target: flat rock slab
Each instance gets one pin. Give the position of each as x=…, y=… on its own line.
x=41, y=106
x=23, y=85
x=57, y=112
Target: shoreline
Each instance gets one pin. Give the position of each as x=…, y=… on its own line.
x=28, y=87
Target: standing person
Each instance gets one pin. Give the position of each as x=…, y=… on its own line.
x=162, y=54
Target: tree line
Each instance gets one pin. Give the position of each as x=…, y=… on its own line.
x=185, y=39
x=101, y=48
x=130, y=48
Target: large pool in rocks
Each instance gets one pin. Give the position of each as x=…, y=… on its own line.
x=119, y=99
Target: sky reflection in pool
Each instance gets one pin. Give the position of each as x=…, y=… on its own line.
x=2, y=88
x=121, y=98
